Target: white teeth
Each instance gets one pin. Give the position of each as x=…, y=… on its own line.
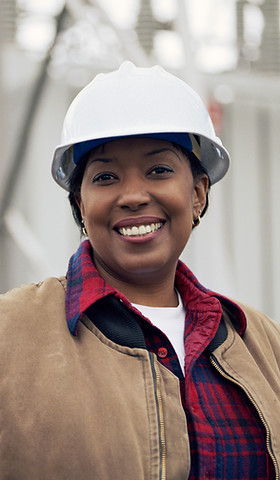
x=141, y=230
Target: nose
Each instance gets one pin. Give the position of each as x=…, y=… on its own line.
x=133, y=194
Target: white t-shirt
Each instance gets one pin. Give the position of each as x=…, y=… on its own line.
x=171, y=321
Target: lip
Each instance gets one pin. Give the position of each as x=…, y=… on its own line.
x=137, y=221
x=140, y=239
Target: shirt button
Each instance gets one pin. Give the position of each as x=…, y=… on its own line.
x=162, y=352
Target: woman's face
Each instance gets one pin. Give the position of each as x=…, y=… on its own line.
x=138, y=199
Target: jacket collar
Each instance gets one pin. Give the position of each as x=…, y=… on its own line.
x=85, y=287
x=202, y=299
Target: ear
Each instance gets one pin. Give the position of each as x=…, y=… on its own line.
x=79, y=202
x=201, y=184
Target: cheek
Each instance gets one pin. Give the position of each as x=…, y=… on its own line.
x=89, y=204
x=95, y=218
x=182, y=202
x=96, y=214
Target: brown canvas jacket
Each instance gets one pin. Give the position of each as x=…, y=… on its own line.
x=83, y=408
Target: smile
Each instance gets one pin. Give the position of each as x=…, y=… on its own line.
x=140, y=231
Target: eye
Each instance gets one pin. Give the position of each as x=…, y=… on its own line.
x=104, y=178
x=160, y=171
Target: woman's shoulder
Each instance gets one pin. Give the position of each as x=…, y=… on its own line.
x=41, y=288
x=32, y=327
x=260, y=324
x=27, y=300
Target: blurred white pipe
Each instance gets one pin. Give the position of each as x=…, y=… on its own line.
x=189, y=72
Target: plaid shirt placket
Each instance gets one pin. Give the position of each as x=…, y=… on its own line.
x=227, y=439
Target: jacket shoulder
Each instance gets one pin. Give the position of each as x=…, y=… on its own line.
x=262, y=335
x=258, y=318
x=33, y=300
x=32, y=290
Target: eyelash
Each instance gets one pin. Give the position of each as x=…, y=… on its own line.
x=160, y=170
x=103, y=177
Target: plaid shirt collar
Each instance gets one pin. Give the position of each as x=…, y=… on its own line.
x=85, y=286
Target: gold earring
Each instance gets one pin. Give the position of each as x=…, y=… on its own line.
x=196, y=221
x=84, y=230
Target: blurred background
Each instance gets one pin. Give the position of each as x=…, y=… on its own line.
x=227, y=50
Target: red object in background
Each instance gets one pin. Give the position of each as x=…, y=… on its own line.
x=216, y=113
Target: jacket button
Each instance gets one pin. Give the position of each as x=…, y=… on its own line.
x=162, y=352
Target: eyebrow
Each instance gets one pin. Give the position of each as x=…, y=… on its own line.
x=96, y=160
x=160, y=150
x=148, y=154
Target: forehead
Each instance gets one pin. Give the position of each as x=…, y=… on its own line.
x=141, y=145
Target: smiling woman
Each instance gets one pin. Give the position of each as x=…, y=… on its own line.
x=127, y=367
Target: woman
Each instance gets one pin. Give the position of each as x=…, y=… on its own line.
x=153, y=376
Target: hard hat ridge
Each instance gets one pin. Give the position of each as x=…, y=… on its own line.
x=133, y=101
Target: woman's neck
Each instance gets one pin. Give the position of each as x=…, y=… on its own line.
x=160, y=293
x=154, y=297
x=153, y=289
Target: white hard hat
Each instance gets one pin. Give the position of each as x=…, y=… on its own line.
x=133, y=101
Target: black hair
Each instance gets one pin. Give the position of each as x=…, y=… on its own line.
x=76, y=178
x=74, y=184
